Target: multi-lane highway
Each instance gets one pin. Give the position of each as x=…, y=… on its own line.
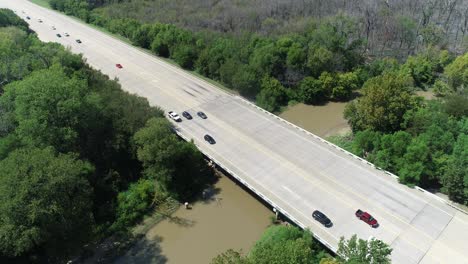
x=291, y=169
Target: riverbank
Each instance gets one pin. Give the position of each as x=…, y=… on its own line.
x=322, y=120
x=227, y=218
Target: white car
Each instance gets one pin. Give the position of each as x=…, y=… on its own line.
x=174, y=116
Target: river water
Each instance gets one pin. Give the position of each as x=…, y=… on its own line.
x=324, y=120
x=230, y=217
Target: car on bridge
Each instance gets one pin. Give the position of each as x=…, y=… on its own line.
x=209, y=139
x=174, y=116
x=367, y=218
x=187, y=115
x=322, y=218
x=202, y=115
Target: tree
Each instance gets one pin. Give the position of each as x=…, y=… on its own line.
x=407, y=28
x=272, y=94
x=390, y=150
x=457, y=72
x=385, y=100
x=229, y=257
x=456, y=105
x=48, y=108
x=245, y=81
x=311, y=91
x=185, y=56
x=441, y=88
x=142, y=36
x=319, y=59
x=134, y=203
x=213, y=56
x=412, y=167
x=296, y=56
x=157, y=149
x=365, y=142
x=9, y=18
x=283, y=244
x=360, y=251
x=346, y=84
x=421, y=68
x=266, y=59
x=176, y=166
x=455, y=181
x=45, y=202
x=380, y=66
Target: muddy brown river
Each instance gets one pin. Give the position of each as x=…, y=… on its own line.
x=231, y=217
x=324, y=120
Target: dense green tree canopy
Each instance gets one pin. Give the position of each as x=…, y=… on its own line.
x=457, y=72
x=283, y=245
x=456, y=178
x=134, y=203
x=311, y=91
x=359, y=251
x=47, y=108
x=45, y=202
x=272, y=94
x=385, y=99
x=177, y=166
x=9, y=18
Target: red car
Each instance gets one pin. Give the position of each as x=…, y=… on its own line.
x=118, y=65
x=367, y=218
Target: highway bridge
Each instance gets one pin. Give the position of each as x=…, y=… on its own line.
x=291, y=169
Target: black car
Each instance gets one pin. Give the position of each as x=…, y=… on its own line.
x=187, y=115
x=58, y=35
x=78, y=41
x=209, y=139
x=202, y=115
x=28, y=18
x=322, y=218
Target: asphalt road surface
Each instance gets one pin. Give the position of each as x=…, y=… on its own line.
x=295, y=171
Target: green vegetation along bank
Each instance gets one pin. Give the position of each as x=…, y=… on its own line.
x=288, y=244
x=80, y=159
x=424, y=142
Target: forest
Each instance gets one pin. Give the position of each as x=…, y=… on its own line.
x=80, y=159
x=373, y=54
